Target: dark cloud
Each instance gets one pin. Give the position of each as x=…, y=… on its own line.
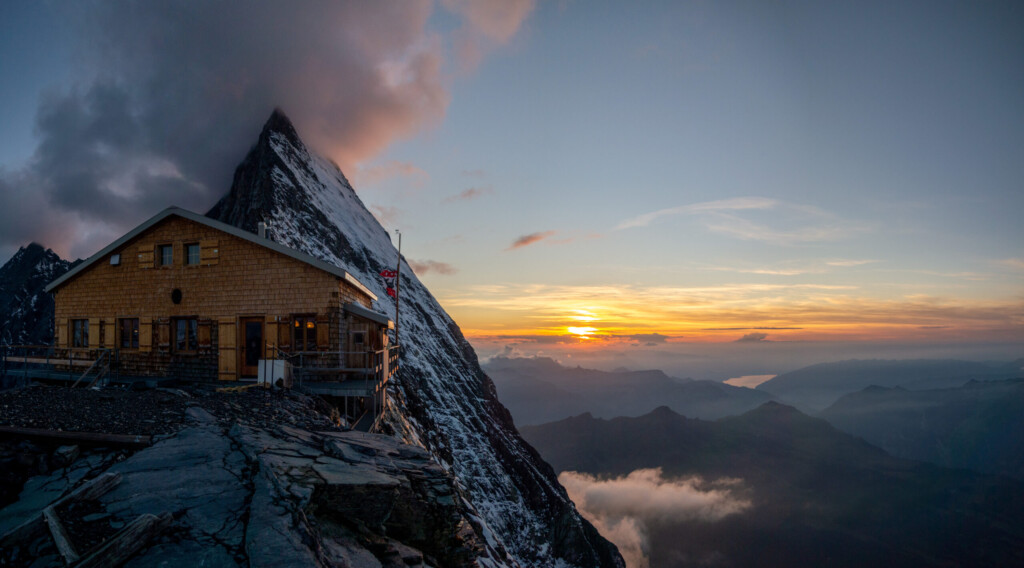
x=753, y=337
x=172, y=94
x=432, y=266
x=527, y=240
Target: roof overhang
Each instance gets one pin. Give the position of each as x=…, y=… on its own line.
x=369, y=314
x=223, y=227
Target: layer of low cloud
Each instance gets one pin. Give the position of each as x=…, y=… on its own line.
x=527, y=240
x=749, y=381
x=620, y=508
x=170, y=95
x=423, y=267
x=753, y=337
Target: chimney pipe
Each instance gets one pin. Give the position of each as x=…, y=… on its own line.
x=262, y=231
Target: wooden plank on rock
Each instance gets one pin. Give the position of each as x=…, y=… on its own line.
x=127, y=542
x=60, y=536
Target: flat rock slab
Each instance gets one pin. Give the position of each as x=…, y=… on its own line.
x=241, y=495
x=198, y=477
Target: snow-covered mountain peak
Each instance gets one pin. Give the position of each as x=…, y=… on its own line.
x=444, y=400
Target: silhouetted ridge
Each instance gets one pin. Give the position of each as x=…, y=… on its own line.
x=26, y=311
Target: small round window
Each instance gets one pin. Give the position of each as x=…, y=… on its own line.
x=176, y=296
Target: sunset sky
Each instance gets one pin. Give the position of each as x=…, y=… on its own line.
x=640, y=179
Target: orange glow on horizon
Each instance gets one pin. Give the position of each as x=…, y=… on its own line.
x=754, y=313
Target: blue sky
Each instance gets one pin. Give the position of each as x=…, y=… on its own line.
x=698, y=170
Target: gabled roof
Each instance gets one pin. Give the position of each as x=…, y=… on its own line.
x=213, y=224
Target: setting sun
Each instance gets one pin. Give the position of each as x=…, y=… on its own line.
x=585, y=332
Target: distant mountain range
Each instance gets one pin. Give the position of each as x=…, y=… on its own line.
x=26, y=311
x=818, y=496
x=814, y=388
x=978, y=426
x=538, y=389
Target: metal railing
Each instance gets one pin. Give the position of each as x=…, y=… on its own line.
x=22, y=363
x=340, y=366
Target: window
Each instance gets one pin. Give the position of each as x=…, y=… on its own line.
x=192, y=254
x=129, y=328
x=186, y=332
x=304, y=333
x=79, y=333
x=165, y=255
x=358, y=338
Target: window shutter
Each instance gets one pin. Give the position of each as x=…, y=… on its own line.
x=163, y=334
x=61, y=331
x=209, y=252
x=94, y=333
x=284, y=334
x=205, y=335
x=146, y=256
x=145, y=335
x=323, y=333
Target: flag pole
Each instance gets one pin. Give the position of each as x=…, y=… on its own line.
x=398, y=282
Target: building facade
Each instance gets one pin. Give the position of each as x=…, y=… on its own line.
x=186, y=296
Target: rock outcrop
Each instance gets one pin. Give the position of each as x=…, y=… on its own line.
x=239, y=495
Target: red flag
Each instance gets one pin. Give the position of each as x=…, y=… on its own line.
x=392, y=293
x=389, y=273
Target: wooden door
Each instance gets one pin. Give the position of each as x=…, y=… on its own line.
x=252, y=346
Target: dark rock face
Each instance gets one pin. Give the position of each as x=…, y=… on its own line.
x=444, y=400
x=26, y=311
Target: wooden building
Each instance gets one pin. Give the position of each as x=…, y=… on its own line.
x=186, y=296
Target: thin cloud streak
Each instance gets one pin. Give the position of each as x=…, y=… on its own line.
x=468, y=194
x=735, y=204
x=423, y=267
x=527, y=240
x=800, y=223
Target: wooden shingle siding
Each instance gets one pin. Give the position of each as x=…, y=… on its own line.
x=234, y=278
